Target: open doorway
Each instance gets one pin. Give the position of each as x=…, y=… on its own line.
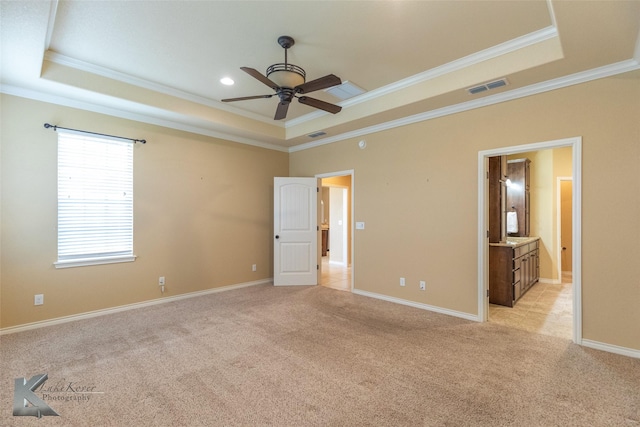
x=336, y=225
x=552, y=305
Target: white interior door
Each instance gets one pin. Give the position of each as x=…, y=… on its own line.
x=295, y=225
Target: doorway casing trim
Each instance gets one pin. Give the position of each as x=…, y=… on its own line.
x=483, y=223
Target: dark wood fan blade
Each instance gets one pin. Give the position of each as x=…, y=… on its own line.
x=317, y=84
x=331, y=108
x=258, y=76
x=244, y=98
x=281, y=111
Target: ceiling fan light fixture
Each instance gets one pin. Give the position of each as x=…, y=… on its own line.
x=289, y=83
x=286, y=75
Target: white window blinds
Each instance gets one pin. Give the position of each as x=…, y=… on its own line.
x=95, y=199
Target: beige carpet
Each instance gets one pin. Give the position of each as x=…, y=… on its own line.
x=312, y=356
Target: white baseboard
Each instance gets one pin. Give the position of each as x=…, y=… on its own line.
x=624, y=351
x=419, y=305
x=102, y=312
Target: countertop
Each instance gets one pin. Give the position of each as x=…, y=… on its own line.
x=514, y=242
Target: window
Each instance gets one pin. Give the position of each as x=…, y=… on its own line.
x=95, y=200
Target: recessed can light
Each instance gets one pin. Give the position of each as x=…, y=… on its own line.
x=227, y=81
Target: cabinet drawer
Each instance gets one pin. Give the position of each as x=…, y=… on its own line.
x=520, y=250
x=517, y=290
x=517, y=275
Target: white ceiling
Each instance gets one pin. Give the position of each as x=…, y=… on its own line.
x=161, y=61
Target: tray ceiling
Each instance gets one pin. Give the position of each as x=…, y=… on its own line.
x=161, y=61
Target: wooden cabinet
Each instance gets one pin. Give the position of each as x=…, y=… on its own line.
x=519, y=194
x=513, y=269
x=497, y=170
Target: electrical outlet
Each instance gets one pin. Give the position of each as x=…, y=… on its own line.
x=38, y=299
x=423, y=285
x=161, y=281
x=254, y=267
x=402, y=283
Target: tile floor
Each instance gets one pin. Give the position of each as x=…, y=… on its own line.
x=335, y=276
x=546, y=309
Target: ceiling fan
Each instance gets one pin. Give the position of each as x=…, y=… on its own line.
x=289, y=80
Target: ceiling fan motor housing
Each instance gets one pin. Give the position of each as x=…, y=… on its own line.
x=286, y=94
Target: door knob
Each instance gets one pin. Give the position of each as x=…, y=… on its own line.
x=277, y=237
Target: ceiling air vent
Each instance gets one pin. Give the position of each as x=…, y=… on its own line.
x=316, y=134
x=345, y=90
x=487, y=86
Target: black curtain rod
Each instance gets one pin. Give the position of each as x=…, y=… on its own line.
x=55, y=128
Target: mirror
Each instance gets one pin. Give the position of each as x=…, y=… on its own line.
x=517, y=209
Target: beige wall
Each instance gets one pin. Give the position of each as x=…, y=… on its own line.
x=203, y=206
x=203, y=215
x=416, y=190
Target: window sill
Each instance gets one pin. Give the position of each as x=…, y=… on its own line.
x=83, y=262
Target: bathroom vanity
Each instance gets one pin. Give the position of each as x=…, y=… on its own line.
x=514, y=261
x=514, y=266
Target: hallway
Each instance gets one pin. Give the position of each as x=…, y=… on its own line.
x=335, y=276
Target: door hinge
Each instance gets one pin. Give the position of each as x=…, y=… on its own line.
x=487, y=293
x=487, y=174
x=317, y=228
x=317, y=267
x=487, y=234
x=317, y=189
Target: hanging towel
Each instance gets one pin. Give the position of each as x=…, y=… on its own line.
x=512, y=222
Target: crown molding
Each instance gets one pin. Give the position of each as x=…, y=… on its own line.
x=450, y=67
x=573, y=79
x=178, y=122
x=77, y=64
x=175, y=121
x=53, y=12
